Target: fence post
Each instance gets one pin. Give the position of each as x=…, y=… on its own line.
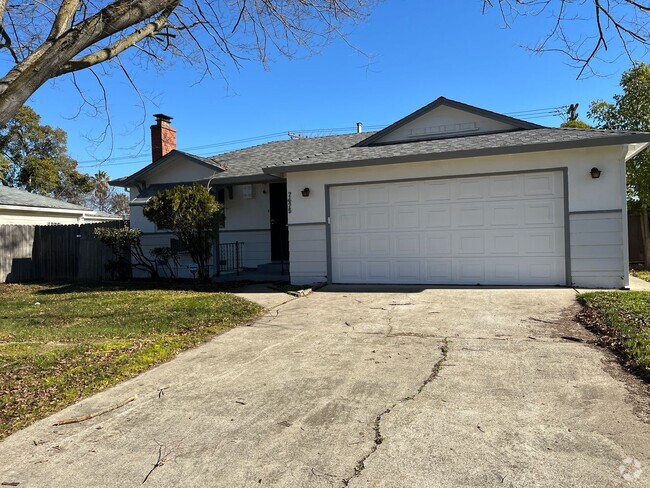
x=237, y=257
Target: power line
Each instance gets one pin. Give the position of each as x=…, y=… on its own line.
x=136, y=159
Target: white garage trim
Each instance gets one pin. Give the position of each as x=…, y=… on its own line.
x=563, y=192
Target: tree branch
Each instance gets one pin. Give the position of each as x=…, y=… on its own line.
x=63, y=18
x=120, y=45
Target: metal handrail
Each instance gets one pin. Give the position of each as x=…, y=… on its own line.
x=230, y=257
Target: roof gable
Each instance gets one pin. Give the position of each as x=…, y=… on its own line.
x=172, y=158
x=444, y=118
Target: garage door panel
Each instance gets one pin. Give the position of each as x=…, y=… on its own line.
x=545, y=213
x=541, y=184
x=348, y=220
x=406, y=271
x=378, y=271
x=346, y=195
x=436, y=216
x=377, y=245
x=405, y=218
x=376, y=195
x=545, y=241
x=404, y=193
x=508, y=187
x=503, y=229
x=502, y=271
x=438, y=271
x=470, y=188
x=503, y=214
x=469, y=271
x=437, y=243
x=469, y=215
x=377, y=218
x=436, y=191
x=469, y=243
x=502, y=243
x=407, y=244
x=348, y=246
x=349, y=271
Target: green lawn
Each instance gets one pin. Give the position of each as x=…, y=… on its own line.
x=643, y=274
x=622, y=320
x=59, y=344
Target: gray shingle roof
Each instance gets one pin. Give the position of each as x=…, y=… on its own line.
x=260, y=163
x=251, y=160
x=22, y=198
x=469, y=146
x=15, y=196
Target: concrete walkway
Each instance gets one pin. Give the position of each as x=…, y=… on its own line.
x=371, y=387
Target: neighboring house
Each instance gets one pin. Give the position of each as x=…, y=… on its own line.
x=451, y=194
x=22, y=207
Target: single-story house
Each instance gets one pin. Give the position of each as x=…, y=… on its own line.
x=450, y=194
x=20, y=207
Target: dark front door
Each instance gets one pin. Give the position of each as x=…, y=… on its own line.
x=279, y=228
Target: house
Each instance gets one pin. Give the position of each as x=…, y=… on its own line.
x=450, y=194
x=22, y=207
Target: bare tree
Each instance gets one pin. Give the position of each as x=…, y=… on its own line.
x=584, y=30
x=44, y=39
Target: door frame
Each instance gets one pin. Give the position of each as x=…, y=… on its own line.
x=563, y=169
x=284, y=240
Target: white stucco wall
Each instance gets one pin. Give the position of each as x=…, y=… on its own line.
x=584, y=194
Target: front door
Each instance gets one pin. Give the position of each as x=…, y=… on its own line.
x=279, y=227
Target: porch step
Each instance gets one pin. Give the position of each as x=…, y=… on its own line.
x=275, y=268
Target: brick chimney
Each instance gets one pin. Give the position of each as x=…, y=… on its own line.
x=163, y=137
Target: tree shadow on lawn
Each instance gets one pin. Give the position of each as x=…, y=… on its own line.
x=144, y=285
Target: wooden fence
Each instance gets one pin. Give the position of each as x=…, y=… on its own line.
x=635, y=240
x=53, y=253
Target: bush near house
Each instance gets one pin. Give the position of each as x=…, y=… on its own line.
x=59, y=344
x=622, y=322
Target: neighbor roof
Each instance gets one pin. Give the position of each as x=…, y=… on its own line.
x=22, y=198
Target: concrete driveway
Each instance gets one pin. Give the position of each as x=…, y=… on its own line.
x=401, y=388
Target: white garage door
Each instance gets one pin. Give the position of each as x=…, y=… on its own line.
x=493, y=230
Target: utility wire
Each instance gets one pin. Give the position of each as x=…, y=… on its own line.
x=135, y=159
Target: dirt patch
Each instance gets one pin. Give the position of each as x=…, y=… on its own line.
x=589, y=324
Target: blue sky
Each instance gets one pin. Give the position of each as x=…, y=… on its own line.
x=417, y=50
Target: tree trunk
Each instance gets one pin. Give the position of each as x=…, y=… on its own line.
x=645, y=236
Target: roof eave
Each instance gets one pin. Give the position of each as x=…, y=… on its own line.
x=243, y=180
x=36, y=208
x=470, y=153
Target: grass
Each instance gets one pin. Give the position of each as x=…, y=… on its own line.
x=59, y=344
x=643, y=274
x=622, y=320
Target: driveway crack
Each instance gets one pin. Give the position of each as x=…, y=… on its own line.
x=378, y=438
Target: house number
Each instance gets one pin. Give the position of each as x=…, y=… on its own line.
x=288, y=202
